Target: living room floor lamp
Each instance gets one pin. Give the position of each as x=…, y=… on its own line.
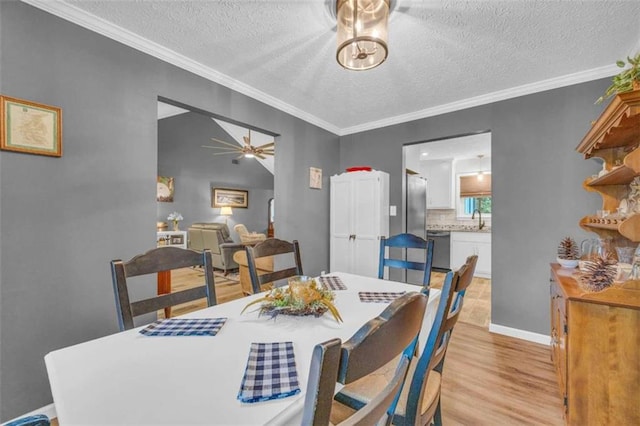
x=226, y=212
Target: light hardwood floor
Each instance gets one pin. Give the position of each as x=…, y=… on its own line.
x=477, y=300
x=488, y=379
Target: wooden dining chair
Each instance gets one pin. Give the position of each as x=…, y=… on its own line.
x=393, y=333
x=272, y=247
x=419, y=402
x=154, y=261
x=406, y=241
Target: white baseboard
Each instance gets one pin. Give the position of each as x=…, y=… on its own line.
x=543, y=339
x=49, y=411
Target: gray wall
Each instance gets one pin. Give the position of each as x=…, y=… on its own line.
x=196, y=170
x=63, y=219
x=537, y=185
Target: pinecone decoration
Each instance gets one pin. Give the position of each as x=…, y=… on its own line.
x=568, y=249
x=598, y=274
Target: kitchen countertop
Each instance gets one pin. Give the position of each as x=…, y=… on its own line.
x=458, y=228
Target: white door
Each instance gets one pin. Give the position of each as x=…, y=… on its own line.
x=366, y=219
x=341, y=211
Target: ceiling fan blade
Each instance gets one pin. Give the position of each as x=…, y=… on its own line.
x=239, y=157
x=224, y=153
x=266, y=145
x=260, y=156
x=222, y=147
x=223, y=142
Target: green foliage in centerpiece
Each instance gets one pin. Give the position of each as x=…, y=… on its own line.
x=298, y=298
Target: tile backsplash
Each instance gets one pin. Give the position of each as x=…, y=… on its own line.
x=448, y=217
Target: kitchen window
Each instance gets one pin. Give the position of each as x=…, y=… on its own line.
x=474, y=192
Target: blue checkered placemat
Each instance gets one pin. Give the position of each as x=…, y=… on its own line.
x=184, y=327
x=378, y=296
x=332, y=283
x=270, y=373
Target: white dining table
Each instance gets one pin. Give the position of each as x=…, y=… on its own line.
x=133, y=379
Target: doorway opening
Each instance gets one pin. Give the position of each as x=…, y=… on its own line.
x=447, y=198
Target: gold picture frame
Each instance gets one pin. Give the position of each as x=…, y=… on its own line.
x=165, y=189
x=30, y=127
x=225, y=197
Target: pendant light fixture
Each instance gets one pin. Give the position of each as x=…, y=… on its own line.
x=480, y=172
x=362, y=33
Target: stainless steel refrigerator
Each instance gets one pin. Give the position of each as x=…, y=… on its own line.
x=416, y=211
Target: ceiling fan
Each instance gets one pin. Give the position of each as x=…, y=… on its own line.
x=247, y=150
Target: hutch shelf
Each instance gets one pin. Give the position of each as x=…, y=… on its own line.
x=615, y=137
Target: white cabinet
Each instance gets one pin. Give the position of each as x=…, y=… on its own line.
x=439, y=174
x=359, y=217
x=465, y=244
x=172, y=238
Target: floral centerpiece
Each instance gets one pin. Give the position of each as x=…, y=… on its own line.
x=175, y=217
x=298, y=298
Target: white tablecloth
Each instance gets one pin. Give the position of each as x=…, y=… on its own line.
x=129, y=378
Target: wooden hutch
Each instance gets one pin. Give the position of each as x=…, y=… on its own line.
x=595, y=337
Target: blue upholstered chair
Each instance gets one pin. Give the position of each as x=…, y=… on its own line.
x=406, y=241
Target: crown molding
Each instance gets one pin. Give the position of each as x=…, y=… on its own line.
x=501, y=95
x=98, y=25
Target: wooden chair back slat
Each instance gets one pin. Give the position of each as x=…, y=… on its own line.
x=158, y=260
x=370, y=348
x=153, y=304
x=465, y=274
x=272, y=247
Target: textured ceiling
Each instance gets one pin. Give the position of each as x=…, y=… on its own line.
x=443, y=54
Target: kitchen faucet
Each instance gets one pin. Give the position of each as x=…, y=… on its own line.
x=480, y=221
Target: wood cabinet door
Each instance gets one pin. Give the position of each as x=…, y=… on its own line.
x=559, y=339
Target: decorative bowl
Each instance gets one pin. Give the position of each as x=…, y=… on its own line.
x=568, y=263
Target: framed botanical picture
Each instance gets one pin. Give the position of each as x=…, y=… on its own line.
x=30, y=127
x=165, y=189
x=224, y=197
x=315, y=178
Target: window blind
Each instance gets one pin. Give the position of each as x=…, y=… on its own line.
x=470, y=186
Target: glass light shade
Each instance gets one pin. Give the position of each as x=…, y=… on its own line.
x=362, y=33
x=226, y=211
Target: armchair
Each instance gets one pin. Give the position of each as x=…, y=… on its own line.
x=247, y=237
x=215, y=237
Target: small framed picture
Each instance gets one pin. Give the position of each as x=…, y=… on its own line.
x=315, y=178
x=177, y=239
x=30, y=127
x=165, y=189
x=224, y=197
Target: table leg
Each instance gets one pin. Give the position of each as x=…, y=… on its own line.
x=164, y=287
